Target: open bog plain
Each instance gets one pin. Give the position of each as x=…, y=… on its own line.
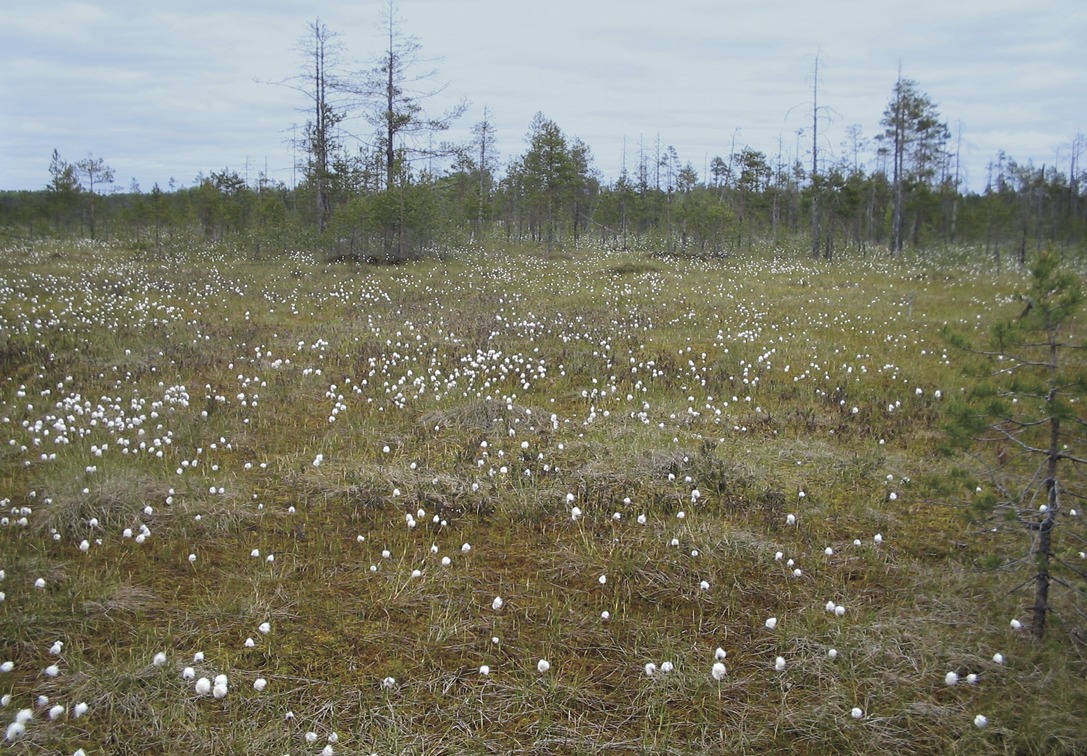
x=510, y=502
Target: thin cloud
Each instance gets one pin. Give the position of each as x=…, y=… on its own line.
x=162, y=91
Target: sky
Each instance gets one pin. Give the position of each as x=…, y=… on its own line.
x=165, y=91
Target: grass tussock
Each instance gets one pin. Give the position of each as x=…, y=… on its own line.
x=114, y=500
x=635, y=267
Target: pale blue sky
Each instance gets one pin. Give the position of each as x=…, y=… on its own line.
x=164, y=90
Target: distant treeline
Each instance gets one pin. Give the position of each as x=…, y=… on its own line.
x=400, y=191
x=552, y=196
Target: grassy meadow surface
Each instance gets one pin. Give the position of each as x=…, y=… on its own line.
x=376, y=499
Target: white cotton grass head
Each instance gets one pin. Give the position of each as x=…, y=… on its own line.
x=981, y=721
x=779, y=664
x=720, y=654
x=543, y=666
x=202, y=686
x=951, y=678
x=484, y=670
x=498, y=603
x=857, y=712
x=14, y=731
x=771, y=623
x=56, y=712
x=718, y=671
x=1016, y=625
x=650, y=669
x=998, y=658
x=260, y=684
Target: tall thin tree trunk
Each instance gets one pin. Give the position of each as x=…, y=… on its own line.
x=390, y=125
x=482, y=176
x=815, y=162
x=1043, y=549
x=899, y=164
x=321, y=137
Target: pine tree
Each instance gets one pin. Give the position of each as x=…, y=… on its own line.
x=917, y=137
x=1024, y=421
